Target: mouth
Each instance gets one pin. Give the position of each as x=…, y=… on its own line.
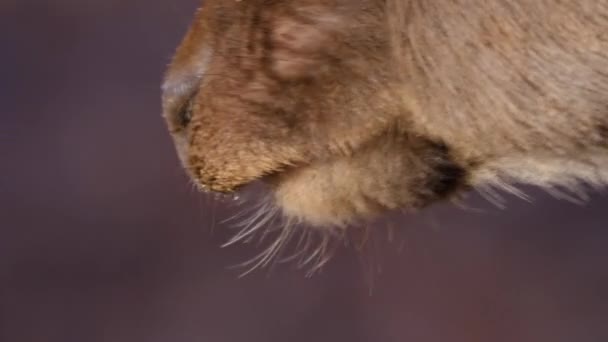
x=265, y=183
x=325, y=194
x=234, y=185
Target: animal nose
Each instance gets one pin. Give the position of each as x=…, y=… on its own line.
x=176, y=89
x=185, y=74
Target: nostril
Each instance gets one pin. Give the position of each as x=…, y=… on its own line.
x=179, y=101
x=184, y=114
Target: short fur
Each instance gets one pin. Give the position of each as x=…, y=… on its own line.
x=349, y=108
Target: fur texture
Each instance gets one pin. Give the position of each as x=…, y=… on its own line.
x=349, y=108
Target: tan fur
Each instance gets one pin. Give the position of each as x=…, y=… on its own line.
x=349, y=108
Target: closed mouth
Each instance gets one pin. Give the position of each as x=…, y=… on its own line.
x=261, y=184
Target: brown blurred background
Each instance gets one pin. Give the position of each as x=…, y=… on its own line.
x=102, y=239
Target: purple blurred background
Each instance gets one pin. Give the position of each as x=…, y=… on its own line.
x=102, y=238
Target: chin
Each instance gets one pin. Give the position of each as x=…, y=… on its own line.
x=324, y=196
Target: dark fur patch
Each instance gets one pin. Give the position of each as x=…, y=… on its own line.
x=445, y=177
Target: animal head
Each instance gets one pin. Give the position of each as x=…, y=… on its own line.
x=301, y=95
x=350, y=108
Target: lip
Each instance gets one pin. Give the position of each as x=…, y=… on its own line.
x=252, y=190
x=266, y=182
x=256, y=186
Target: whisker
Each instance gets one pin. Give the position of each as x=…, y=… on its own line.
x=262, y=259
x=576, y=195
x=264, y=215
x=246, y=211
x=491, y=195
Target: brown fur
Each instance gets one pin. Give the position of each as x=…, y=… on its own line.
x=349, y=108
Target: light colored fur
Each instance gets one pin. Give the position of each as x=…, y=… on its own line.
x=350, y=108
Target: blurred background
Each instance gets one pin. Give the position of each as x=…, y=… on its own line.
x=102, y=238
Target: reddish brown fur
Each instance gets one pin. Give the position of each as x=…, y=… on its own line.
x=349, y=108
